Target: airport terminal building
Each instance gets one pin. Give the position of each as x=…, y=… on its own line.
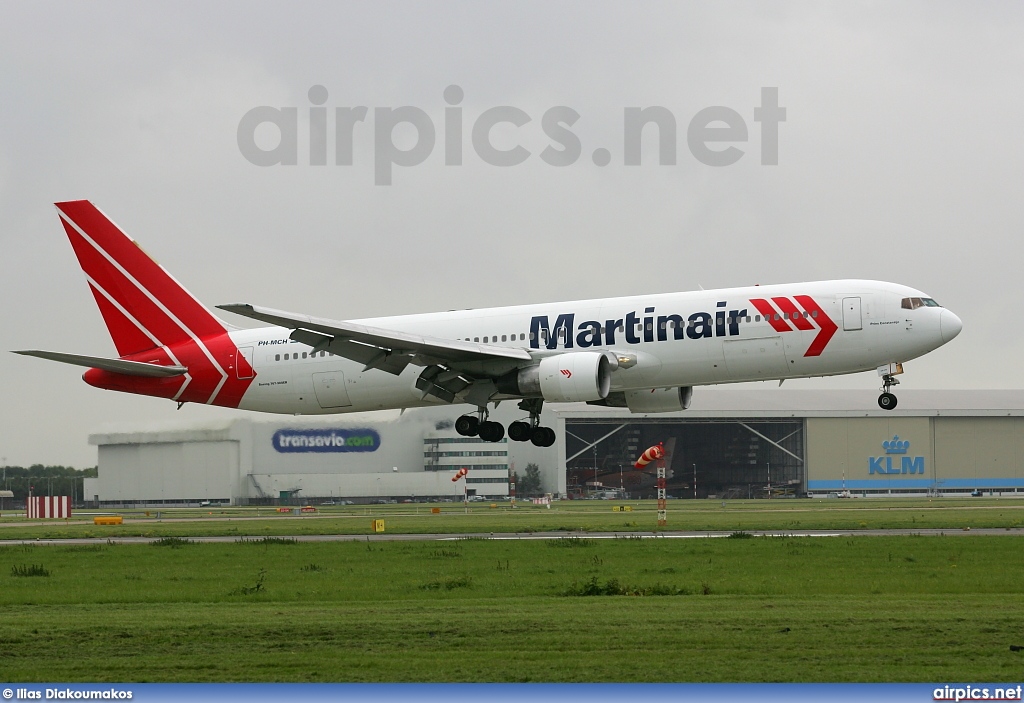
x=763, y=443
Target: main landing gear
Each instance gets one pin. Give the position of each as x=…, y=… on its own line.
x=477, y=425
x=887, y=401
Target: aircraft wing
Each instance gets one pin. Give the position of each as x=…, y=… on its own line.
x=128, y=368
x=391, y=350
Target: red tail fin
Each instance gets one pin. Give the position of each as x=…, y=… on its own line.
x=142, y=305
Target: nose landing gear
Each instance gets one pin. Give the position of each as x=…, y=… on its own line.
x=887, y=401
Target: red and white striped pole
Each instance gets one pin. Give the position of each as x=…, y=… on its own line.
x=656, y=454
x=461, y=473
x=662, y=507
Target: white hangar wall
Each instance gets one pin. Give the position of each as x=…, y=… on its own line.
x=345, y=456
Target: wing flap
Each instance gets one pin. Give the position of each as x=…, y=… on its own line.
x=372, y=357
x=122, y=366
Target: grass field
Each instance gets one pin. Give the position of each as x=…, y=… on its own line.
x=562, y=516
x=574, y=609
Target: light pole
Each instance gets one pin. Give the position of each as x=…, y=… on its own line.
x=695, y=482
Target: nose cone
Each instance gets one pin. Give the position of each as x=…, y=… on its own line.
x=949, y=325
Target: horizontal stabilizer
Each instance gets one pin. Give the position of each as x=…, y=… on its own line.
x=128, y=368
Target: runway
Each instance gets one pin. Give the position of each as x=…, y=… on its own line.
x=530, y=536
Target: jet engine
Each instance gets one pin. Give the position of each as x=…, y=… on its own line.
x=564, y=378
x=655, y=400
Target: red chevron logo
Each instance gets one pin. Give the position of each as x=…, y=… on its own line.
x=788, y=313
x=566, y=372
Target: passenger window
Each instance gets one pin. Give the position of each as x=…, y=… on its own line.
x=522, y=336
x=476, y=339
x=277, y=357
x=814, y=313
x=503, y=338
x=303, y=355
x=286, y=357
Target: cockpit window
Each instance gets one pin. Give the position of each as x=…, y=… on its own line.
x=914, y=303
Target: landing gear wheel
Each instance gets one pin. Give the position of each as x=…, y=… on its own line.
x=887, y=401
x=491, y=431
x=543, y=437
x=520, y=431
x=467, y=425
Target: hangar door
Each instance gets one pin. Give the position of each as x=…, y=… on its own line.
x=168, y=471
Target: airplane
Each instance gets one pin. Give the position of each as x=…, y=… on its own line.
x=643, y=353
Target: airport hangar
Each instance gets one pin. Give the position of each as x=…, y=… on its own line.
x=730, y=443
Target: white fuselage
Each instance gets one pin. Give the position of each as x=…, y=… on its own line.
x=677, y=339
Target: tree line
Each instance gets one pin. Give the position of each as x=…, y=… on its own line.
x=44, y=480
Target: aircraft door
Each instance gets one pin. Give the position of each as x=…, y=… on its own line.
x=851, y=314
x=243, y=363
x=330, y=390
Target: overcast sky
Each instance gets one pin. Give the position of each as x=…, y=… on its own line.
x=900, y=159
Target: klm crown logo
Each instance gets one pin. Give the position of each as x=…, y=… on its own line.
x=907, y=464
x=896, y=445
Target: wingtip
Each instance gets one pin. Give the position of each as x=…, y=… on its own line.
x=234, y=307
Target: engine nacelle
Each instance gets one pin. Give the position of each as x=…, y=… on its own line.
x=655, y=400
x=569, y=378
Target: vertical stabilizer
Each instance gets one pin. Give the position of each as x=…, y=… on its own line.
x=152, y=318
x=142, y=305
